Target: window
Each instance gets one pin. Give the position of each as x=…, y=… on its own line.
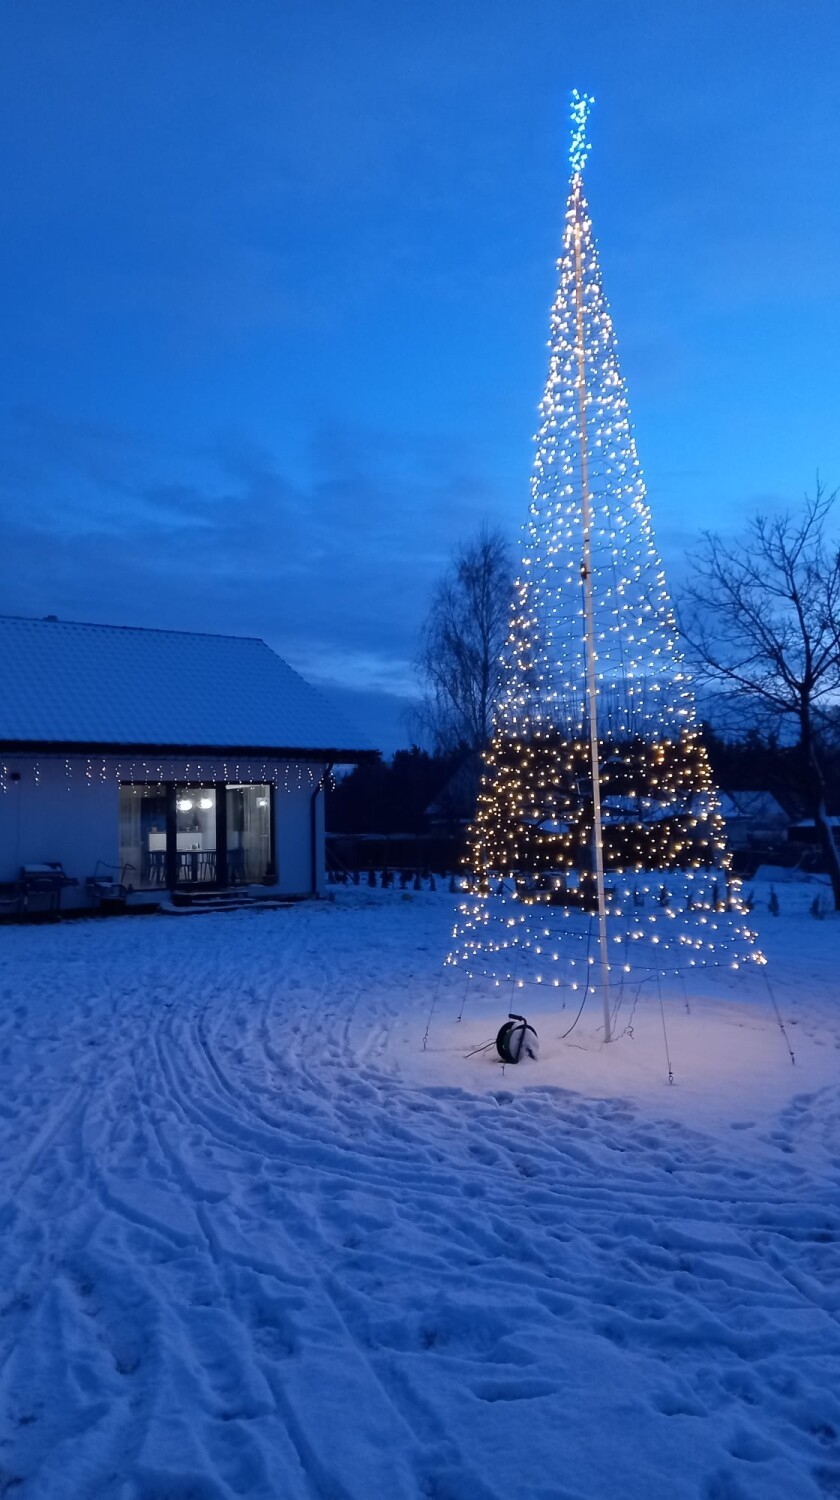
x=182, y=834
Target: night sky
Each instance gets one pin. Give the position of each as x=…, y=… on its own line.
x=275, y=279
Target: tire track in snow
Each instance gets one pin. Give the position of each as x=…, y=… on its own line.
x=372, y=1377
x=457, y=1265
x=219, y=1256
x=308, y=1453
x=683, y=1201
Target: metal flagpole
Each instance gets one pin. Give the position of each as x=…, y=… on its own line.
x=586, y=574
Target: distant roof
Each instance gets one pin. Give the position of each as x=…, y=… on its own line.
x=758, y=805
x=103, y=687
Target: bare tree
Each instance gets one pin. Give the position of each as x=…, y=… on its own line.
x=763, y=619
x=462, y=640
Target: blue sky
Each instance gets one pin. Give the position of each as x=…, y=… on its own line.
x=275, y=280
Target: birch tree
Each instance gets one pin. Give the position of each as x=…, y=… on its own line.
x=762, y=617
x=462, y=641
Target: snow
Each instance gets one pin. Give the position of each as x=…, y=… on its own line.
x=95, y=685
x=257, y=1241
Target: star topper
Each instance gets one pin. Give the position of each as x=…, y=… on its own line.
x=579, y=149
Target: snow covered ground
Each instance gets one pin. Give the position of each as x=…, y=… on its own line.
x=258, y=1242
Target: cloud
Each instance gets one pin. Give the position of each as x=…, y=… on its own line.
x=333, y=568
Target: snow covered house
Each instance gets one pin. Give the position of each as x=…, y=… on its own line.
x=754, y=820
x=161, y=760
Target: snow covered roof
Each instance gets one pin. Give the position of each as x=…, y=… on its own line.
x=67, y=685
x=833, y=822
x=758, y=805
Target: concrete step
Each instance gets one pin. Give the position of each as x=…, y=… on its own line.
x=190, y=903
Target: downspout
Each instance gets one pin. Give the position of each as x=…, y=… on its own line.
x=313, y=824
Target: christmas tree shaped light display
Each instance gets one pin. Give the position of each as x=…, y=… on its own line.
x=597, y=849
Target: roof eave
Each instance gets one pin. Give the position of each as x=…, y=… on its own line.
x=343, y=755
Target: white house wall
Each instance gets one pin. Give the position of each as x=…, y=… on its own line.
x=293, y=825
x=67, y=810
x=49, y=815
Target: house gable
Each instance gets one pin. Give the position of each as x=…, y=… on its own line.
x=110, y=689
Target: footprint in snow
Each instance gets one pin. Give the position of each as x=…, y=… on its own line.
x=515, y=1390
x=750, y=1447
x=724, y=1486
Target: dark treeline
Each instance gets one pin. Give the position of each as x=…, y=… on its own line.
x=758, y=763
x=390, y=796
x=394, y=796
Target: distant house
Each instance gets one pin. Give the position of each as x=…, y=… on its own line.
x=805, y=832
x=754, y=820
x=163, y=760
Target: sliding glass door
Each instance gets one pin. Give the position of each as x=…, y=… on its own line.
x=182, y=835
x=195, y=835
x=248, y=833
x=143, y=836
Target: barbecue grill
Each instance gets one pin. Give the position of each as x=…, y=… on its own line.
x=45, y=881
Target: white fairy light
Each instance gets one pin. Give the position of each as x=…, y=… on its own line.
x=593, y=629
x=581, y=105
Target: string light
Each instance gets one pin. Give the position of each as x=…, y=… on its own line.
x=579, y=150
x=288, y=776
x=596, y=795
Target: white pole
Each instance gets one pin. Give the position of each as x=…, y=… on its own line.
x=586, y=573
